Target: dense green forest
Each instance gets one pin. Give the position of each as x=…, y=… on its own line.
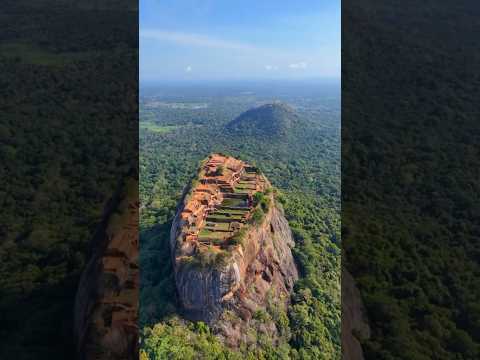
x=304, y=167
x=67, y=135
x=410, y=160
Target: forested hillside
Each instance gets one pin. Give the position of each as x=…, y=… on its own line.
x=176, y=133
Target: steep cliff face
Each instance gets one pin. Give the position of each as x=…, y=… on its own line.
x=354, y=323
x=228, y=294
x=106, y=306
x=267, y=276
x=264, y=262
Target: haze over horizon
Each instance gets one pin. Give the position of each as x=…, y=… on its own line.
x=189, y=40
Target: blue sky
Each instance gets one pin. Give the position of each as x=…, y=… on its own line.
x=235, y=40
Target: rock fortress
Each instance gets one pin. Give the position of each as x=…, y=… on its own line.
x=220, y=204
x=231, y=247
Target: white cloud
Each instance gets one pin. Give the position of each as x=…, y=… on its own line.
x=299, y=65
x=271, y=67
x=193, y=40
x=188, y=68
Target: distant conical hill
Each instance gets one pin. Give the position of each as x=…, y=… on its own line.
x=269, y=120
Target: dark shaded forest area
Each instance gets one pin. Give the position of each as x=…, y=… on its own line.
x=410, y=160
x=68, y=132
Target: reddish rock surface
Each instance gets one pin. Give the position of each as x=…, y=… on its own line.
x=260, y=268
x=354, y=323
x=106, y=308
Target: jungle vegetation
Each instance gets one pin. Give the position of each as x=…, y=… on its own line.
x=304, y=168
x=410, y=175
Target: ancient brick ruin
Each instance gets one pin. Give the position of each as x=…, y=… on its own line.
x=220, y=204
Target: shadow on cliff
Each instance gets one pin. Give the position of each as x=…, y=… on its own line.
x=158, y=297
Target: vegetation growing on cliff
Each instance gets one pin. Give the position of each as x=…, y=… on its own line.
x=304, y=167
x=206, y=258
x=238, y=238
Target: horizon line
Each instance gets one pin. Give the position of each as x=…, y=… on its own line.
x=303, y=79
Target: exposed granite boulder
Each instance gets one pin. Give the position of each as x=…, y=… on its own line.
x=106, y=307
x=201, y=290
